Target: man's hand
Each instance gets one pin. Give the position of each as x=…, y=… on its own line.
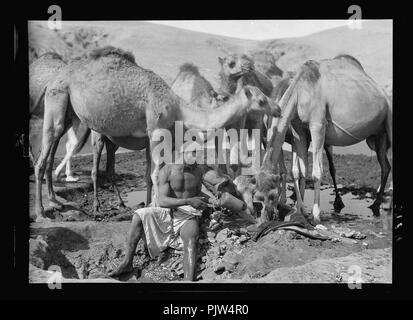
x=197, y=203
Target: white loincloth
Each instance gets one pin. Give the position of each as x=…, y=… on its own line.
x=161, y=230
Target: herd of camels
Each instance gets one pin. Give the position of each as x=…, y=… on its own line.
x=331, y=102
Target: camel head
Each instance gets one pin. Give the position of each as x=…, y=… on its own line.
x=234, y=66
x=261, y=194
x=259, y=102
x=267, y=193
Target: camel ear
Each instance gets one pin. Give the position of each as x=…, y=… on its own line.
x=220, y=60
x=248, y=93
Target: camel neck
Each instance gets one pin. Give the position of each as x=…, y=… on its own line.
x=227, y=113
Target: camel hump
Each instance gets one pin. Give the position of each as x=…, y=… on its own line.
x=310, y=71
x=110, y=50
x=351, y=59
x=190, y=68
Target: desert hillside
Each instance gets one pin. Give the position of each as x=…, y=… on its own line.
x=163, y=49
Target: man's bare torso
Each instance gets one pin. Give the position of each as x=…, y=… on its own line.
x=184, y=181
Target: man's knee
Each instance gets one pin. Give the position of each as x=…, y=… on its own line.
x=190, y=230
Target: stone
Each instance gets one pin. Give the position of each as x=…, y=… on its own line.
x=243, y=239
x=320, y=227
x=219, y=268
x=222, y=235
x=211, y=235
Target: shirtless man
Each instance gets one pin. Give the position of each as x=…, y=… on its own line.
x=174, y=222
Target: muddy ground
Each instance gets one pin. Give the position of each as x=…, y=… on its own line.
x=86, y=247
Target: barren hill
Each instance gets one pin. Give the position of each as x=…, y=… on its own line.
x=163, y=49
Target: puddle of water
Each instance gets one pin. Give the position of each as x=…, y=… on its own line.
x=135, y=197
x=353, y=206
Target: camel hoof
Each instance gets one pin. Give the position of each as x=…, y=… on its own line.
x=338, y=205
x=55, y=204
x=42, y=219
x=72, y=179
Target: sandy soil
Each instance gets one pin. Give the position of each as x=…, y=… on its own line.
x=87, y=247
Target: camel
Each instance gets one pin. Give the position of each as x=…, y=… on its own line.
x=41, y=72
x=337, y=104
x=189, y=85
x=276, y=96
x=237, y=71
x=192, y=87
x=115, y=97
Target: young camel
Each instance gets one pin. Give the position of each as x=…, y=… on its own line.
x=340, y=105
x=41, y=72
x=236, y=72
x=112, y=95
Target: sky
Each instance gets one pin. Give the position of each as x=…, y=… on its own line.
x=256, y=29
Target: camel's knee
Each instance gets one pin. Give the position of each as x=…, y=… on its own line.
x=316, y=174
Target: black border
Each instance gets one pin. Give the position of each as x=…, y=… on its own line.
x=18, y=227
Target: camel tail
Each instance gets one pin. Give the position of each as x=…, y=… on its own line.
x=389, y=131
x=82, y=140
x=36, y=104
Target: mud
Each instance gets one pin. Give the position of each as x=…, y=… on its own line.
x=86, y=247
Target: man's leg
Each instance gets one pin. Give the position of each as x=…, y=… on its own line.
x=189, y=234
x=135, y=233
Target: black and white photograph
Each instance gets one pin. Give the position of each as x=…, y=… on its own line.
x=237, y=151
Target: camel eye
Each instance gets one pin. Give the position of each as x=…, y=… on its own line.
x=261, y=102
x=231, y=64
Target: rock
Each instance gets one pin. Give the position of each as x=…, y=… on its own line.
x=243, y=231
x=39, y=253
x=320, y=227
x=365, y=244
x=234, y=237
x=211, y=235
x=222, y=235
x=243, y=239
x=219, y=268
x=222, y=250
x=339, y=186
x=336, y=240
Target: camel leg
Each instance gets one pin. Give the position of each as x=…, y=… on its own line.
x=381, y=151
x=148, y=172
x=98, y=142
x=299, y=172
x=110, y=168
x=53, y=129
x=71, y=143
x=283, y=172
x=317, y=131
x=53, y=203
x=338, y=203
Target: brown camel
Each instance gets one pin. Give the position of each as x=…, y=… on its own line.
x=276, y=96
x=339, y=105
x=237, y=71
x=192, y=87
x=189, y=85
x=114, y=96
x=41, y=72
x=247, y=185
